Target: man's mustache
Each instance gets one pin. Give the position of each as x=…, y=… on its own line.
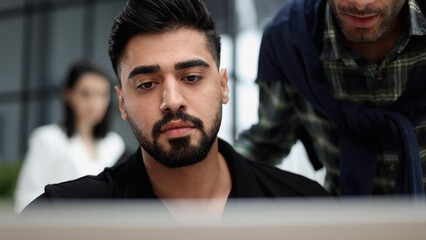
x=177, y=115
x=355, y=11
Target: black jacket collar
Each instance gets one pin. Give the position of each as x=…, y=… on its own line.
x=244, y=185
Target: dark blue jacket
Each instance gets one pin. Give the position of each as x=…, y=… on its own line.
x=291, y=47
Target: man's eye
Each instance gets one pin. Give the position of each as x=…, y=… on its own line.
x=146, y=85
x=192, y=78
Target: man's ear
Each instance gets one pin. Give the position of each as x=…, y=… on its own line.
x=224, y=85
x=121, y=103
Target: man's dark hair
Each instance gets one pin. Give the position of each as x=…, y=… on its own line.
x=158, y=16
x=74, y=73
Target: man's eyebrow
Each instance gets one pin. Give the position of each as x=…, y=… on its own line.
x=191, y=63
x=144, y=70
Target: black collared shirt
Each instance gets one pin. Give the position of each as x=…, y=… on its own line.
x=129, y=180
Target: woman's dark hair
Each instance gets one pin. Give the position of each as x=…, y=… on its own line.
x=158, y=16
x=75, y=72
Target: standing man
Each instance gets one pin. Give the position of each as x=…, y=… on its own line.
x=166, y=54
x=347, y=78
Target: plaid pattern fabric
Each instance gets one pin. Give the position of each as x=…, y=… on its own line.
x=282, y=110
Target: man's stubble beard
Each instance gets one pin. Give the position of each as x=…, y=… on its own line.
x=366, y=35
x=181, y=153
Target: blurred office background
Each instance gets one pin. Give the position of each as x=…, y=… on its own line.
x=39, y=39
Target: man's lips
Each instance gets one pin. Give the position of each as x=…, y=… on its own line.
x=362, y=21
x=177, y=128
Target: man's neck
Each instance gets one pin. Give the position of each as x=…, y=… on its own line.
x=208, y=180
x=376, y=52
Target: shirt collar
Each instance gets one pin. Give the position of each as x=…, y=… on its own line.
x=244, y=184
x=333, y=49
x=417, y=20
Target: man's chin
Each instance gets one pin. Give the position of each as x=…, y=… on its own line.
x=361, y=36
x=168, y=142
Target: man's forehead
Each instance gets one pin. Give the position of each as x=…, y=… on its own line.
x=152, y=49
x=157, y=40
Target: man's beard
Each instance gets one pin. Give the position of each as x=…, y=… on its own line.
x=366, y=35
x=181, y=153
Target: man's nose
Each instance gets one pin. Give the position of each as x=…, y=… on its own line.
x=361, y=4
x=172, y=99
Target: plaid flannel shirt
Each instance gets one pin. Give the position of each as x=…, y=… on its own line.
x=282, y=110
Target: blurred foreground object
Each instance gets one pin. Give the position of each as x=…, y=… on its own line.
x=255, y=219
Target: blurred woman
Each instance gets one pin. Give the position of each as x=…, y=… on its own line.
x=81, y=145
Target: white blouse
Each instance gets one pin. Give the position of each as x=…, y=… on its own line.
x=52, y=157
